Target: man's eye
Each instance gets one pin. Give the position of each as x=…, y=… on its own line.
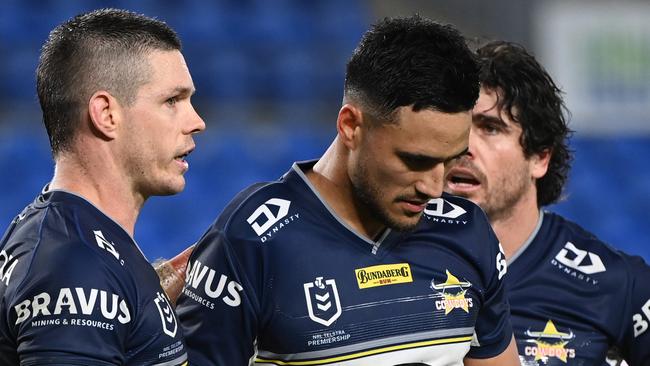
x=171, y=101
x=490, y=129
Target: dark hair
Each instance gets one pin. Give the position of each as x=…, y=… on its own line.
x=101, y=50
x=412, y=61
x=530, y=98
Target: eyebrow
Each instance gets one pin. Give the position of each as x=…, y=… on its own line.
x=180, y=90
x=430, y=159
x=487, y=118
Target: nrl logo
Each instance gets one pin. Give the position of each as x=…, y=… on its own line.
x=324, y=297
x=166, y=315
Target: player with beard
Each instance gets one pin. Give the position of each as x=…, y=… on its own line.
x=358, y=258
x=572, y=296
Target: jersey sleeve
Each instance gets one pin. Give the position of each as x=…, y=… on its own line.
x=219, y=305
x=70, y=308
x=635, y=342
x=493, y=329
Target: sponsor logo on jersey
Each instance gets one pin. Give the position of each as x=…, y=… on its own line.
x=167, y=315
x=452, y=294
x=323, y=304
x=442, y=211
x=73, y=301
x=203, y=278
x=21, y=216
x=640, y=320
x=382, y=275
x=582, y=260
x=7, y=265
x=269, y=218
x=578, y=263
x=328, y=337
x=106, y=245
x=549, y=343
x=501, y=263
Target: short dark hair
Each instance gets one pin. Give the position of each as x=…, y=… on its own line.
x=100, y=50
x=531, y=98
x=412, y=61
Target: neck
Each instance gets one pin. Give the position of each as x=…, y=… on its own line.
x=330, y=178
x=514, y=229
x=99, y=181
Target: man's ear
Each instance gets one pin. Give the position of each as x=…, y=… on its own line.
x=105, y=114
x=348, y=125
x=539, y=163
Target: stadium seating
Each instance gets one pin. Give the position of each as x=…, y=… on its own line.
x=247, y=55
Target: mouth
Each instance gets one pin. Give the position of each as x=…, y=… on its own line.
x=182, y=158
x=415, y=206
x=459, y=179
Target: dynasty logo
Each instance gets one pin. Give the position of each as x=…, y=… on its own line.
x=382, y=275
x=452, y=292
x=549, y=343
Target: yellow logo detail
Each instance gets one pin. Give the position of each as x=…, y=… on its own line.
x=382, y=275
x=456, y=302
x=550, y=343
x=453, y=293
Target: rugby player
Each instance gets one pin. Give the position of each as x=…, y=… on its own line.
x=75, y=288
x=572, y=296
x=359, y=258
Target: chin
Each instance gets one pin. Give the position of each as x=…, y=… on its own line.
x=404, y=224
x=169, y=188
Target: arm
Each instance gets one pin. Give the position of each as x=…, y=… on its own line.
x=172, y=273
x=634, y=344
x=508, y=357
x=218, y=307
x=493, y=334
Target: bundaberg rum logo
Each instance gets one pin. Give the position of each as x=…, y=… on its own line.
x=382, y=275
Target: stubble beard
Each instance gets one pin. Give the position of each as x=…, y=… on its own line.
x=368, y=201
x=507, y=192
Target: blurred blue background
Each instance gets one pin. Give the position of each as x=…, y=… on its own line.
x=269, y=77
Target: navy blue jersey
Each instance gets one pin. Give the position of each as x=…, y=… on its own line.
x=75, y=289
x=279, y=278
x=573, y=297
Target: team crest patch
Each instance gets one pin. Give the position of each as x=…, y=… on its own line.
x=323, y=304
x=549, y=343
x=166, y=315
x=452, y=292
x=382, y=275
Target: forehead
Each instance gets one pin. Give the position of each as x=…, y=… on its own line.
x=429, y=132
x=167, y=71
x=488, y=105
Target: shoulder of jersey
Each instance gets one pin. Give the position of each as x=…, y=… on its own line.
x=54, y=258
x=57, y=236
x=582, y=250
x=255, y=210
x=449, y=208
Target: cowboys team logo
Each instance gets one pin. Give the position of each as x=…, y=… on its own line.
x=452, y=292
x=166, y=315
x=549, y=343
x=323, y=297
